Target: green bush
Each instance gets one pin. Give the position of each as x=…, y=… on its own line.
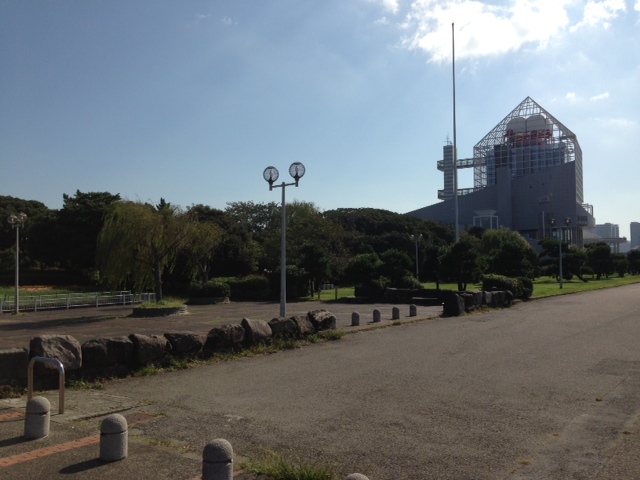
x=211, y=289
x=527, y=287
x=409, y=281
x=251, y=287
x=521, y=287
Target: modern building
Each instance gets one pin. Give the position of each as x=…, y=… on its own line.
x=527, y=177
x=608, y=233
x=635, y=234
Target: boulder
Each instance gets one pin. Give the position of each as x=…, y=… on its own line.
x=224, y=338
x=284, y=327
x=304, y=325
x=61, y=347
x=256, y=331
x=107, y=357
x=322, y=320
x=14, y=364
x=183, y=343
x=453, y=305
x=119, y=351
x=94, y=353
x=148, y=348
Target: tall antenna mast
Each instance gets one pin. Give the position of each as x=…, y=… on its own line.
x=455, y=147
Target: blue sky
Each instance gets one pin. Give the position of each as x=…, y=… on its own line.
x=191, y=100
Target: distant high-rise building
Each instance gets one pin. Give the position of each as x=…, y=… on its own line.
x=607, y=230
x=635, y=234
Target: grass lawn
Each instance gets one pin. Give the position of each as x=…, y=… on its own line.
x=542, y=287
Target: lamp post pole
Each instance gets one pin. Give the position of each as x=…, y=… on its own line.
x=16, y=222
x=271, y=174
x=417, y=238
x=561, y=233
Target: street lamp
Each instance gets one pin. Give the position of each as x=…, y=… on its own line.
x=16, y=222
x=417, y=238
x=567, y=222
x=271, y=174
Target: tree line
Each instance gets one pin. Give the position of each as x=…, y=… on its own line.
x=99, y=239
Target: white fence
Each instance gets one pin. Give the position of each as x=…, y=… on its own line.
x=72, y=300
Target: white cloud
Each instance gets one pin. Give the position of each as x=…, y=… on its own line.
x=571, y=96
x=391, y=5
x=637, y=7
x=601, y=12
x=602, y=96
x=482, y=28
x=616, y=122
x=226, y=20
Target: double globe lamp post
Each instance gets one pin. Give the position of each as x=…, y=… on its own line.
x=567, y=222
x=271, y=174
x=16, y=222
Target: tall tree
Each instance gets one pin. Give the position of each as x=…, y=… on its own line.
x=79, y=223
x=599, y=259
x=139, y=243
x=462, y=261
x=508, y=253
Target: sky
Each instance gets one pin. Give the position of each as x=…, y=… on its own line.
x=191, y=100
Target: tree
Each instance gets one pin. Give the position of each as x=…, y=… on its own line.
x=634, y=261
x=78, y=226
x=34, y=235
x=508, y=253
x=396, y=267
x=139, y=243
x=619, y=264
x=315, y=262
x=599, y=259
x=462, y=262
x=363, y=269
x=200, y=246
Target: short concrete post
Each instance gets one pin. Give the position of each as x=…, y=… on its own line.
x=356, y=476
x=217, y=460
x=395, y=313
x=413, y=310
x=376, y=316
x=355, y=319
x=114, y=440
x=37, y=418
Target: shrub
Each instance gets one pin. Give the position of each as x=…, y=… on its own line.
x=409, y=281
x=211, y=289
x=251, y=287
x=500, y=282
x=527, y=287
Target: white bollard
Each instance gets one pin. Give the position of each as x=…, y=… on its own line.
x=114, y=440
x=376, y=316
x=355, y=319
x=217, y=460
x=37, y=418
x=395, y=313
x=413, y=310
x=356, y=476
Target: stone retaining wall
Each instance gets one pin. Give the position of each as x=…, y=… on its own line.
x=118, y=356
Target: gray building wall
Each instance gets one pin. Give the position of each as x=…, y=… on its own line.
x=635, y=234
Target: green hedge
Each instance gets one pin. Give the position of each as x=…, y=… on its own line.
x=521, y=287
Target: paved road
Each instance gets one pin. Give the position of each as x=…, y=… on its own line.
x=549, y=389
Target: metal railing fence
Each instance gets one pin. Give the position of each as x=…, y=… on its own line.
x=73, y=300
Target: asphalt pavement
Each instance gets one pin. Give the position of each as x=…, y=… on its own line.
x=548, y=389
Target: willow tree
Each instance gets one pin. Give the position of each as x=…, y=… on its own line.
x=138, y=243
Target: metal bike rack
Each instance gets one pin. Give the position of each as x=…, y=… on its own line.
x=60, y=368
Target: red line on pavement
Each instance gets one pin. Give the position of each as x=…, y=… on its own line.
x=11, y=416
x=43, y=452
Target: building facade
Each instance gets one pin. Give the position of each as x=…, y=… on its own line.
x=635, y=234
x=527, y=177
